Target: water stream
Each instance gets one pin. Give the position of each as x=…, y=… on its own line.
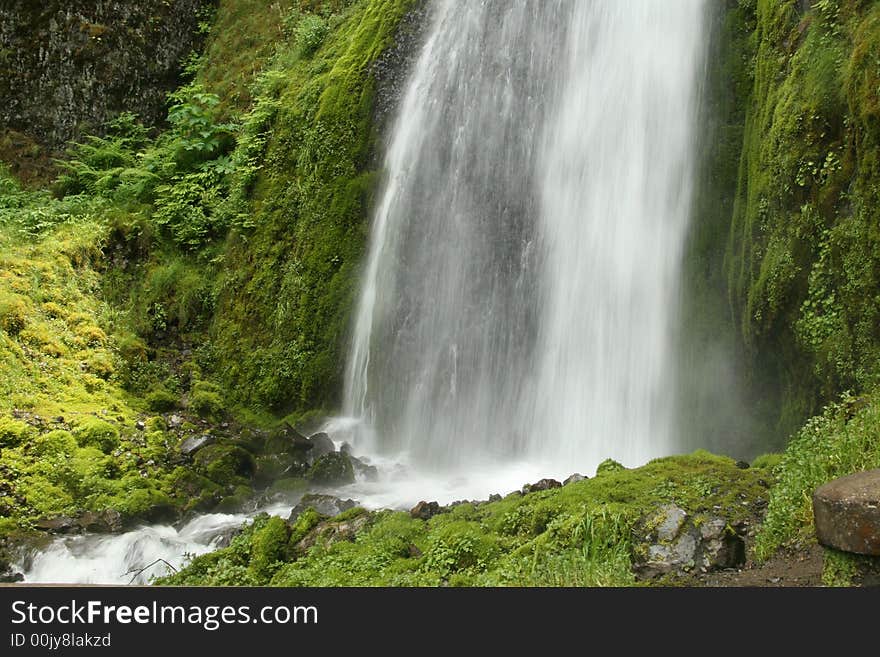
x=520, y=296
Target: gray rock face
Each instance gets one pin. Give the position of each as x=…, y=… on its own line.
x=544, y=484
x=67, y=66
x=669, y=541
x=321, y=446
x=575, y=478
x=326, y=505
x=362, y=469
x=847, y=513
x=194, y=443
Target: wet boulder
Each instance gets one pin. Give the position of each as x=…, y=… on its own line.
x=326, y=505
x=334, y=469
x=321, y=446
x=847, y=513
x=575, y=478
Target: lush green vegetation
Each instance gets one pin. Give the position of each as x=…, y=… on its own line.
x=578, y=535
x=802, y=260
x=209, y=269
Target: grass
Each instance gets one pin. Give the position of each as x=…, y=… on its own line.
x=579, y=535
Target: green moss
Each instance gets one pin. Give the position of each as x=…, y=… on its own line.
x=289, y=283
x=95, y=432
x=578, y=535
x=288, y=486
x=206, y=399
x=13, y=313
x=802, y=257
x=268, y=547
x=14, y=432
x=161, y=400
x=55, y=444
x=226, y=465
x=608, y=465
x=332, y=469
x=236, y=502
x=767, y=461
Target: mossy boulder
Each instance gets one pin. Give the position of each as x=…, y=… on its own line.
x=192, y=491
x=206, y=399
x=95, y=432
x=13, y=313
x=54, y=444
x=283, y=488
x=236, y=502
x=270, y=467
x=14, y=432
x=227, y=465
x=333, y=469
x=161, y=400
x=267, y=547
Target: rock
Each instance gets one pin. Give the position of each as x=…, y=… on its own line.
x=321, y=445
x=226, y=465
x=334, y=469
x=345, y=448
x=326, y=505
x=573, y=479
x=329, y=532
x=363, y=470
x=175, y=422
x=140, y=426
x=669, y=541
x=194, y=443
x=847, y=513
x=544, y=484
x=107, y=521
x=58, y=525
x=671, y=519
x=9, y=576
x=743, y=465
x=425, y=510
x=287, y=440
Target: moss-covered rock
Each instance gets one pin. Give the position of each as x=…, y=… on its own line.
x=333, y=469
x=14, y=432
x=226, y=465
x=268, y=546
x=236, y=502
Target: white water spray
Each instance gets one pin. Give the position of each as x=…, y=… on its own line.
x=520, y=296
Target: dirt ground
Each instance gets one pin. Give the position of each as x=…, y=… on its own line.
x=789, y=568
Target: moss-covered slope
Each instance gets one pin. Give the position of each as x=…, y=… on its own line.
x=300, y=230
x=803, y=261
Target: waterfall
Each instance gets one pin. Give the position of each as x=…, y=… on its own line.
x=520, y=294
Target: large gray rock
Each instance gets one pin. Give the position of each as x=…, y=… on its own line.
x=668, y=541
x=847, y=513
x=326, y=505
x=321, y=446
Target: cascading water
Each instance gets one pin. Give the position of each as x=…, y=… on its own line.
x=520, y=294
x=521, y=290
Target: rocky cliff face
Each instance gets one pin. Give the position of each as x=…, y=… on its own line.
x=67, y=66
